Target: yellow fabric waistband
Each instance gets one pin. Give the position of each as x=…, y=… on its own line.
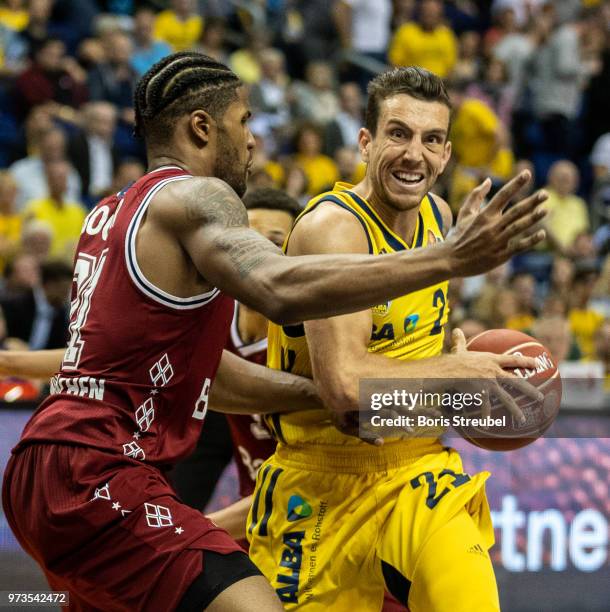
x=356, y=459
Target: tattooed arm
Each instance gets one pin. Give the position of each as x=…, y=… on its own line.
x=210, y=223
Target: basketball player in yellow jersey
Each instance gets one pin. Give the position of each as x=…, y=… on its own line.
x=334, y=520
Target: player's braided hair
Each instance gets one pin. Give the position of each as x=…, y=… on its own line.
x=179, y=84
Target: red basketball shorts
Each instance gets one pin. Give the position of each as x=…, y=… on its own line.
x=106, y=528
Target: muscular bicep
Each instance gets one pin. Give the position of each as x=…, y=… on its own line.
x=336, y=344
x=211, y=224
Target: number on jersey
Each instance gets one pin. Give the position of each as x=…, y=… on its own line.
x=87, y=271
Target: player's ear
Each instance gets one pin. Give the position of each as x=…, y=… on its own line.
x=364, y=144
x=446, y=156
x=201, y=124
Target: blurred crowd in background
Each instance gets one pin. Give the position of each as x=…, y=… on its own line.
x=529, y=81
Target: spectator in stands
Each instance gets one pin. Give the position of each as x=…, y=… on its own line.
x=503, y=308
x=562, y=275
x=180, y=26
x=297, y=185
x=493, y=89
x=29, y=173
x=471, y=327
x=583, y=247
x=38, y=29
x=36, y=125
x=37, y=239
x=261, y=162
x=269, y=97
x=558, y=74
x=65, y=217
x=315, y=99
x=523, y=286
x=404, y=11
x=92, y=151
x=364, y=26
x=114, y=80
x=343, y=130
x=317, y=37
x=479, y=144
x=90, y=53
x=523, y=10
x=556, y=335
x=568, y=215
x=10, y=221
x=13, y=15
x=40, y=316
x=468, y=65
x=52, y=77
x=126, y=173
x=504, y=25
x=585, y=322
x=600, y=157
x=246, y=61
x=22, y=273
x=147, y=50
x=427, y=43
x=553, y=306
x=320, y=170
x=212, y=40
x=349, y=164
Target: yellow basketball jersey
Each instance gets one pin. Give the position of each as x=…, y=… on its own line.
x=408, y=327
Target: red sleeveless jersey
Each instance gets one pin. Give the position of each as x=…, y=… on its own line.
x=139, y=365
x=252, y=441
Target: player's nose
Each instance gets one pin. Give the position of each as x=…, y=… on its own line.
x=413, y=150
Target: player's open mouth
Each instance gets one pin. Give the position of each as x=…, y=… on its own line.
x=408, y=178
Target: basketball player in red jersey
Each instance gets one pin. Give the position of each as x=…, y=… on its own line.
x=85, y=491
x=271, y=213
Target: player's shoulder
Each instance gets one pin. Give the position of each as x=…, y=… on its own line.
x=197, y=200
x=328, y=226
x=444, y=210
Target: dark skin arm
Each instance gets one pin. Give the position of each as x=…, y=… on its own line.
x=240, y=387
x=210, y=223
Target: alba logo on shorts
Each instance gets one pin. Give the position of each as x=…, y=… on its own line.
x=298, y=508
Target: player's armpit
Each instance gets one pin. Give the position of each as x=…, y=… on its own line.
x=243, y=387
x=31, y=364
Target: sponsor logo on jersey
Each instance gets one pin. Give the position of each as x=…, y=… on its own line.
x=411, y=323
x=291, y=559
x=298, y=509
x=382, y=309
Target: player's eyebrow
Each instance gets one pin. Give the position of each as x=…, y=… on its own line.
x=432, y=132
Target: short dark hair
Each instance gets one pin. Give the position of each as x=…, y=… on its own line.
x=271, y=199
x=177, y=85
x=411, y=80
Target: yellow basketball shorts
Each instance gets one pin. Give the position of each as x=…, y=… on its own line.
x=330, y=533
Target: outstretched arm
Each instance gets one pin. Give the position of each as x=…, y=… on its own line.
x=31, y=364
x=242, y=387
x=211, y=224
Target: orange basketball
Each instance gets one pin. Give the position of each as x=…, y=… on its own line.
x=539, y=415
